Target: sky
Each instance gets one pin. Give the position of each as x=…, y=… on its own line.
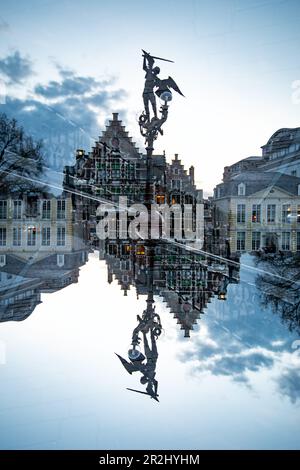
x=236, y=61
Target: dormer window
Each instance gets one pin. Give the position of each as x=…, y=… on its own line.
x=241, y=189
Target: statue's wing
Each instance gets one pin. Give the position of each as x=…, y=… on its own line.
x=172, y=84
x=128, y=365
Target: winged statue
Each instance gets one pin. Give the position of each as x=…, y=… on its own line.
x=165, y=85
x=152, y=81
x=145, y=363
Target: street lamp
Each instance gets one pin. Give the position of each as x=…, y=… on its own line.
x=150, y=127
x=166, y=96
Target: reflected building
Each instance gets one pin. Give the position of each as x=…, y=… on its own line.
x=18, y=296
x=24, y=278
x=186, y=281
x=43, y=243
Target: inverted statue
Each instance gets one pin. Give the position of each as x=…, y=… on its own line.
x=145, y=363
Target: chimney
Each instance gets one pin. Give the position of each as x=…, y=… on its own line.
x=115, y=116
x=176, y=156
x=192, y=174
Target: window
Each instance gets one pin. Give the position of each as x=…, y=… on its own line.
x=240, y=241
x=176, y=184
x=61, y=236
x=160, y=199
x=241, y=189
x=271, y=213
x=17, y=236
x=2, y=236
x=46, y=209
x=115, y=174
x=285, y=245
x=255, y=241
x=240, y=213
x=286, y=213
x=298, y=241
x=256, y=210
x=17, y=211
x=2, y=262
x=61, y=209
x=46, y=236
x=3, y=209
x=294, y=172
x=32, y=206
x=60, y=260
x=31, y=236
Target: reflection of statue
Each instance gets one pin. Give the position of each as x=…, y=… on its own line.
x=145, y=364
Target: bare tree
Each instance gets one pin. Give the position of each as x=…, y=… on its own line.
x=280, y=287
x=10, y=135
x=20, y=157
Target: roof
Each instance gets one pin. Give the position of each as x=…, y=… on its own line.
x=257, y=180
x=283, y=137
x=251, y=158
x=237, y=166
x=116, y=130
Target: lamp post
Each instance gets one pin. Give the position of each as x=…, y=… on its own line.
x=149, y=323
x=150, y=127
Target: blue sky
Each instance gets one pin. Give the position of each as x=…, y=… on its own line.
x=235, y=60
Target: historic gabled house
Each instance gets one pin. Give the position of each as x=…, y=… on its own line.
x=115, y=168
x=181, y=185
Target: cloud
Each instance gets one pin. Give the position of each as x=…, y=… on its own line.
x=213, y=352
x=16, y=68
x=97, y=99
x=72, y=85
x=75, y=96
x=64, y=113
x=236, y=365
x=289, y=382
x=4, y=26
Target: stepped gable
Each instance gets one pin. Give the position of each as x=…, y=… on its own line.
x=182, y=174
x=115, y=130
